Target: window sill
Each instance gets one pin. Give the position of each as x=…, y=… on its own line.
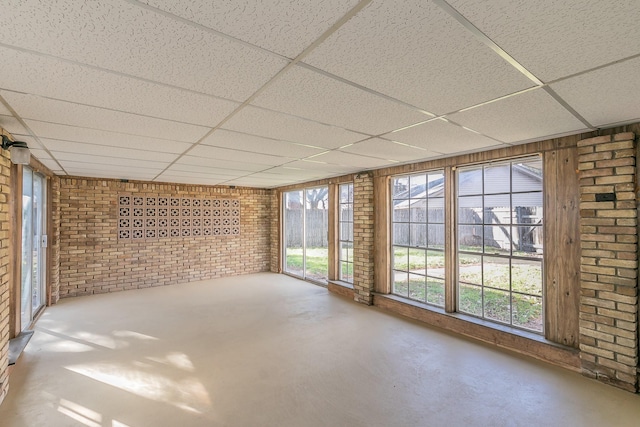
x=514, y=339
x=341, y=283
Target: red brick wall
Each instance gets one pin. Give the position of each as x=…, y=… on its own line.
x=93, y=260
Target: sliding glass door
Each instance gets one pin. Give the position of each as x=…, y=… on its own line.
x=306, y=245
x=32, y=292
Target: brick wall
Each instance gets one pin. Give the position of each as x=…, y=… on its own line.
x=54, y=240
x=93, y=260
x=609, y=263
x=5, y=193
x=363, y=233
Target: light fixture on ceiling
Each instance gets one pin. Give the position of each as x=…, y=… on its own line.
x=19, y=150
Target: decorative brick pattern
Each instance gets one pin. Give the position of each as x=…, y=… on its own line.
x=5, y=195
x=609, y=263
x=94, y=260
x=363, y=234
x=162, y=217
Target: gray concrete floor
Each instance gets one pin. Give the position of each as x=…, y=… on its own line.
x=270, y=350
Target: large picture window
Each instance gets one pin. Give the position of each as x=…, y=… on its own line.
x=500, y=242
x=306, y=246
x=418, y=237
x=345, y=220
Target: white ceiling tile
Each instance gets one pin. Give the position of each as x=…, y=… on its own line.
x=182, y=169
x=415, y=52
x=112, y=167
x=89, y=161
x=254, y=182
x=40, y=154
x=351, y=160
x=285, y=27
x=120, y=36
x=106, y=151
x=221, y=164
x=605, y=96
x=245, y=142
x=4, y=111
x=312, y=95
x=274, y=125
x=194, y=175
x=533, y=114
x=321, y=167
x=109, y=174
x=188, y=180
x=22, y=72
x=108, y=138
x=390, y=150
x=50, y=163
x=441, y=137
x=218, y=153
x=287, y=172
x=554, y=38
x=11, y=125
x=48, y=110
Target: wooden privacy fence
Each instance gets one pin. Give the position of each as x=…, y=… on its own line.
x=317, y=221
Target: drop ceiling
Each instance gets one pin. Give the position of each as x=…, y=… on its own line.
x=266, y=94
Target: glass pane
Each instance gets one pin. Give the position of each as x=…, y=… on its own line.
x=419, y=235
x=400, y=283
x=39, y=266
x=527, y=312
x=435, y=264
x=497, y=239
x=527, y=175
x=497, y=209
x=418, y=261
x=346, y=251
x=470, y=299
x=470, y=181
x=346, y=231
x=27, y=248
x=400, y=187
x=418, y=186
x=401, y=258
x=401, y=211
x=497, y=179
x=417, y=287
x=293, y=232
x=527, y=241
x=436, y=181
x=346, y=271
x=496, y=272
x=419, y=211
x=470, y=268
x=316, y=233
x=527, y=208
x=435, y=238
x=470, y=210
x=470, y=238
x=436, y=210
x=497, y=305
x=401, y=234
x=346, y=193
x=435, y=291
x=526, y=276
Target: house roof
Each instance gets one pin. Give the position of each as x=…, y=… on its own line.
x=271, y=93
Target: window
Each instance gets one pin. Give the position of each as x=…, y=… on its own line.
x=306, y=245
x=418, y=237
x=345, y=220
x=499, y=242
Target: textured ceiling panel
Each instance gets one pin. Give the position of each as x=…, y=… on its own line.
x=381, y=148
x=441, y=137
x=22, y=72
x=220, y=164
x=106, y=173
x=533, y=114
x=3, y=110
x=351, y=160
x=415, y=52
x=51, y=164
x=111, y=165
x=119, y=36
x=187, y=170
x=189, y=180
x=274, y=125
x=102, y=137
x=292, y=173
x=285, y=27
x=106, y=151
x=309, y=94
x=255, y=182
x=241, y=141
x=323, y=168
x=12, y=125
x=218, y=153
x=48, y=110
x=605, y=96
x=40, y=154
x=554, y=38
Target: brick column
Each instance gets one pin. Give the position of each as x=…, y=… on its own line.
x=363, y=247
x=54, y=240
x=5, y=276
x=274, y=231
x=609, y=260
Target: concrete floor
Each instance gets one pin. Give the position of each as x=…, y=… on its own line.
x=269, y=350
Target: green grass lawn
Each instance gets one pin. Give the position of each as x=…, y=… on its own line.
x=317, y=262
